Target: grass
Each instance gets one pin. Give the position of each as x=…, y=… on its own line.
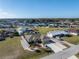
x=73, y=39
x=44, y=30
x=33, y=55
x=77, y=55
x=12, y=49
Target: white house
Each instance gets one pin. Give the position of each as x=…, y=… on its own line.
x=56, y=33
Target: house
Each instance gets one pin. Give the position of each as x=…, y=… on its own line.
x=73, y=32
x=54, y=46
x=53, y=34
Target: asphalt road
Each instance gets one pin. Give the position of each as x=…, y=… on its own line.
x=64, y=54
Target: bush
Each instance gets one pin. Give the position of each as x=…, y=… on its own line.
x=16, y=34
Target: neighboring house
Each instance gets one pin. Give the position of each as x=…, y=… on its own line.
x=74, y=32
x=54, y=46
x=53, y=25
x=5, y=26
x=57, y=33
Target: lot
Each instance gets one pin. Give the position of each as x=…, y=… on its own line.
x=73, y=39
x=44, y=30
x=12, y=49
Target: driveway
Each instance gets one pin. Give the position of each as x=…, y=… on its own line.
x=64, y=54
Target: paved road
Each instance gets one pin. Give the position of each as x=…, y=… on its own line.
x=64, y=54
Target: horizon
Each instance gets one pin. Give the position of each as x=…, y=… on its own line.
x=40, y=18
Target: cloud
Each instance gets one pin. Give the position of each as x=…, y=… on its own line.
x=5, y=14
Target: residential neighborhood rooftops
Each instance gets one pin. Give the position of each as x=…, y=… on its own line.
x=53, y=33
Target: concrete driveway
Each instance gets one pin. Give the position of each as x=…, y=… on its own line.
x=64, y=54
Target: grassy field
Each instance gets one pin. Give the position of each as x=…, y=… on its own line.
x=44, y=30
x=73, y=39
x=12, y=49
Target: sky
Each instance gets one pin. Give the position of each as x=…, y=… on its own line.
x=39, y=8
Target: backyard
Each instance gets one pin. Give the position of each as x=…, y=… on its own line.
x=12, y=49
x=44, y=30
x=73, y=39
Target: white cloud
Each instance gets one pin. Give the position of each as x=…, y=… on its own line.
x=5, y=14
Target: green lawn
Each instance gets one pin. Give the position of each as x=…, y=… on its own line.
x=73, y=39
x=12, y=49
x=44, y=30
x=9, y=47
